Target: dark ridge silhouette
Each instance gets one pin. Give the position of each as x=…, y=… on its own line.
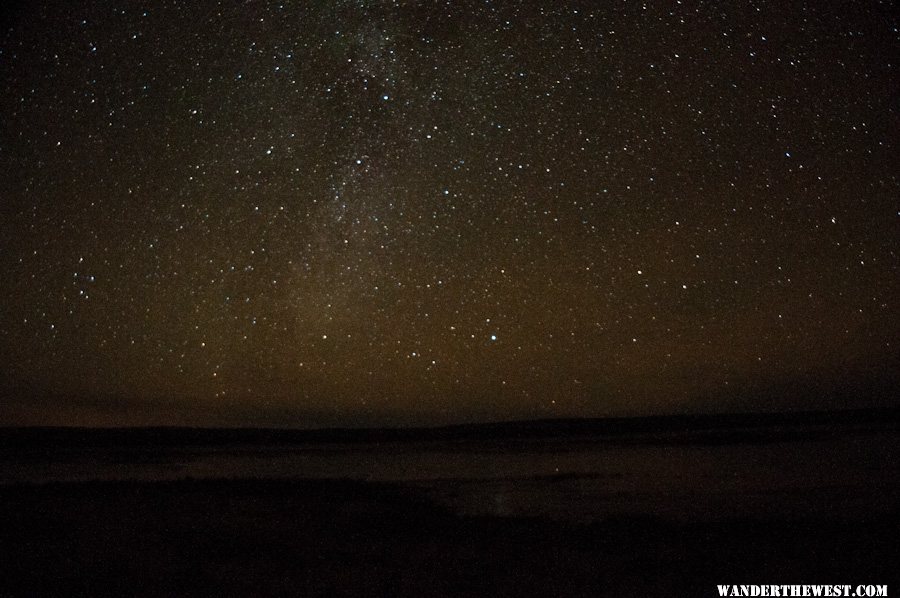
x=699, y=428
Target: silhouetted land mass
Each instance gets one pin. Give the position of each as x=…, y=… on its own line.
x=715, y=428
x=660, y=506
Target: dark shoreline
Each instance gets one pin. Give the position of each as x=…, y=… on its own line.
x=353, y=538
x=661, y=506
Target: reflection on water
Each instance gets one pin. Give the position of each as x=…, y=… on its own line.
x=579, y=479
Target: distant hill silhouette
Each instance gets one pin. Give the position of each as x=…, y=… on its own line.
x=718, y=429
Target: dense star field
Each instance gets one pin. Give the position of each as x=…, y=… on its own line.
x=372, y=212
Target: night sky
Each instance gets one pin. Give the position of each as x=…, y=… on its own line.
x=372, y=212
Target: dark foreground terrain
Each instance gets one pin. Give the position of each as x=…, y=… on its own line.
x=642, y=513
x=339, y=538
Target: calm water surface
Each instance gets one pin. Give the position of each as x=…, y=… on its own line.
x=849, y=475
